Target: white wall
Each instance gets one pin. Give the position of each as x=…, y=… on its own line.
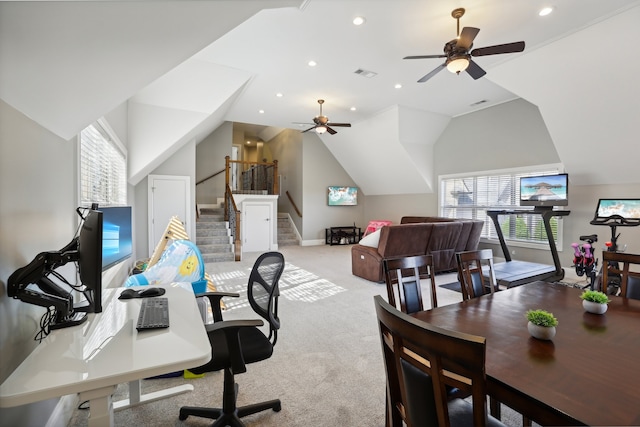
x=37, y=214
x=210, y=154
x=319, y=170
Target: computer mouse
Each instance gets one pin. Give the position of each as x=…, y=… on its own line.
x=128, y=294
x=151, y=292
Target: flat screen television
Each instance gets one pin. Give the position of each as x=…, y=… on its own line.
x=342, y=196
x=116, y=235
x=544, y=190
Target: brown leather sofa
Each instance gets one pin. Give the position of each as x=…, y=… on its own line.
x=440, y=237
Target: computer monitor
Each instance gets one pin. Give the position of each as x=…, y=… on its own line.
x=544, y=191
x=90, y=261
x=117, y=241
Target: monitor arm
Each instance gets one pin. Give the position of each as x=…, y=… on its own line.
x=48, y=294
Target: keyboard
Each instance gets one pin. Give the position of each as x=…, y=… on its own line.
x=154, y=314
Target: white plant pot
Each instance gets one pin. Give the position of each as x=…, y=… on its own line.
x=541, y=332
x=594, y=307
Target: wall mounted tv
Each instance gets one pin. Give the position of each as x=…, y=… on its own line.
x=117, y=242
x=544, y=190
x=342, y=196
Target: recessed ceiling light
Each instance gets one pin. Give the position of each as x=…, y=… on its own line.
x=261, y=111
x=353, y=108
x=279, y=95
x=398, y=86
x=545, y=11
x=358, y=20
x=312, y=63
x=248, y=142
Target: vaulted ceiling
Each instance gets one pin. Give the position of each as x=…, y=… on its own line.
x=185, y=67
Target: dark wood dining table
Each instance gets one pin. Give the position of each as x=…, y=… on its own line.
x=589, y=374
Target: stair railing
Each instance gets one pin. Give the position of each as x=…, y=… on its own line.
x=232, y=215
x=293, y=204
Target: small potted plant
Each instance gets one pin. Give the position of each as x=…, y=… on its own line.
x=595, y=301
x=542, y=324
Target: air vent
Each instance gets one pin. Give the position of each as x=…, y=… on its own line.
x=365, y=73
x=478, y=103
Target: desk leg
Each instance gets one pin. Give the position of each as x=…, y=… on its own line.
x=136, y=397
x=100, y=406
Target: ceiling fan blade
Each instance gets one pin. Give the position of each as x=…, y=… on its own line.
x=424, y=56
x=346, y=125
x=498, y=49
x=307, y=130
x=433, y=73
x=475, y=71
x=466, y=37
x=331, y=131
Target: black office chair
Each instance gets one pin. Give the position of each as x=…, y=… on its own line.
x=235, y=343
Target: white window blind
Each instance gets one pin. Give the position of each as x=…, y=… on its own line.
x=471, y=195
x=103, y=167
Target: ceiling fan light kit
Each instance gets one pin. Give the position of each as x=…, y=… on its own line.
x=455, y=65
x=458, y=53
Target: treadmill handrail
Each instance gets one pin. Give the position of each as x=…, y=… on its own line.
x=546, y=214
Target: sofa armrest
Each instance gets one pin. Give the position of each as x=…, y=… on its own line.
x=366, y=262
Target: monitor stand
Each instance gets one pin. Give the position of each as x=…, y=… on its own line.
x=514, y=273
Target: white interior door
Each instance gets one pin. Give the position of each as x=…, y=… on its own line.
x=257, y=227
x=168, y=196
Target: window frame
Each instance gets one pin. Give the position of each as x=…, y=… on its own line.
x=489, y=234
x=119, y=146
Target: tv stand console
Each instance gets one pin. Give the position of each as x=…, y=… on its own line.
x=343, y=235
x=514, y=273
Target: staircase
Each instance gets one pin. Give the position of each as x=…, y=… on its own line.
x=213, y=236
x=286, y=234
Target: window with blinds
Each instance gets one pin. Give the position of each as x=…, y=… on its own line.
x=471, y=195
x=103, y=167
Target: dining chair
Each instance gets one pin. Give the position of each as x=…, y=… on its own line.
x=472, y=267
x=402, y=276
x=421, y=361
x=627, y=268
x=236, y=343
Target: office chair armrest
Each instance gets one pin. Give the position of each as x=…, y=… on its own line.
x=214, y=300
x=231, y=329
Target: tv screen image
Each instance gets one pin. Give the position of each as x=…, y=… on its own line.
x=117, y=242
x=342, y=196
x=625, y=208
x=544, y=190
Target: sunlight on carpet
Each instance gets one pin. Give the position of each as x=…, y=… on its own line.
x=296, y=284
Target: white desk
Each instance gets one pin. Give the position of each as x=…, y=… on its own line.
x=93, y=358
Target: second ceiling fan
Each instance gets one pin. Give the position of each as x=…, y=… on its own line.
x=458, y=51
x=321, y=123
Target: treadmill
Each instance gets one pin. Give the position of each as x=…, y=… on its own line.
x=515, y=273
